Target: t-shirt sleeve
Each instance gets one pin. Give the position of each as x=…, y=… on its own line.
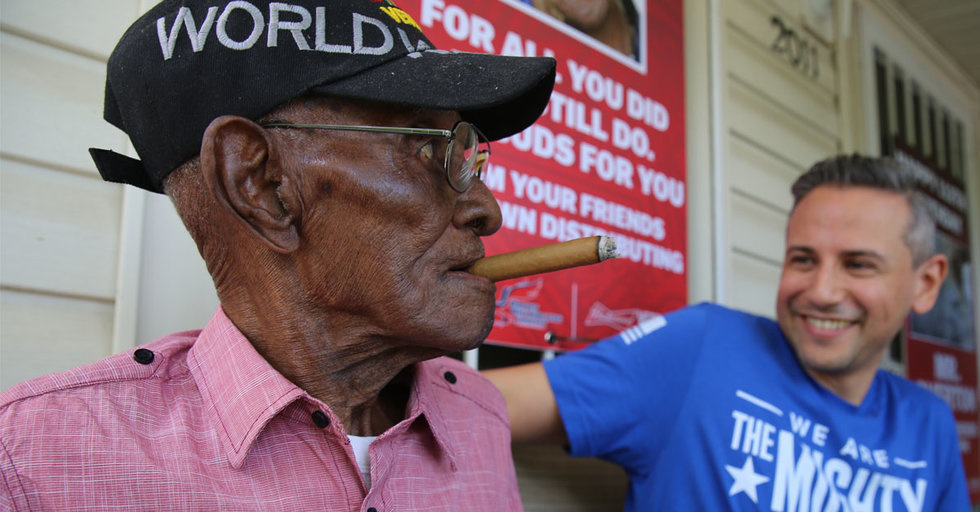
x=624, y=392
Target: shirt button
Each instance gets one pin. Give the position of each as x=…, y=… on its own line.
x=372, y=509
x=143, y=356
x=320, y=419
x=450, y=377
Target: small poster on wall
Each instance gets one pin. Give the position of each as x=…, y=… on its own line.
x=940, y=351
x=606, y=158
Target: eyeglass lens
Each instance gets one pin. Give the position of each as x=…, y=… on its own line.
x=465, y=157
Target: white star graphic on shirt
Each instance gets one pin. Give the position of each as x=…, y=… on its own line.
x=746, y=480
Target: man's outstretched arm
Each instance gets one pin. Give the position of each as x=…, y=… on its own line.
x=531, y=403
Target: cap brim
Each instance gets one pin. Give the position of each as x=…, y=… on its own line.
x=501, y=95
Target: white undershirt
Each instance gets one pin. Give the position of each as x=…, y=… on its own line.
x=360, y=445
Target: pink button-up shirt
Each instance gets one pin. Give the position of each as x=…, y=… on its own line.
x=200, y=421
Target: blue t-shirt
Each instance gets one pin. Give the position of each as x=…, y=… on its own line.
x=708, y=409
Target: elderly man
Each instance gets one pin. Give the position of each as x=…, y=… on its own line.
x=713, y=409
x=326, y=160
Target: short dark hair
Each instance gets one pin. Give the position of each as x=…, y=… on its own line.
x=883, y=173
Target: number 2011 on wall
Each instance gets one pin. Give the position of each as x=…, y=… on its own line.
x=798, y=51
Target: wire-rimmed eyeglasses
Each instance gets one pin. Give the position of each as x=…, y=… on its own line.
x=467, y=149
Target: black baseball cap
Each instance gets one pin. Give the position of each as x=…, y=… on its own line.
x=186, y=62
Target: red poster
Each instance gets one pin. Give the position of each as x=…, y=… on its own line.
x=951, y=373
x=606, y=158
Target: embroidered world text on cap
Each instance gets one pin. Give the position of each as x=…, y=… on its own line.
x=296, y=27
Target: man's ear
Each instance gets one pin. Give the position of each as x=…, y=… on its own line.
x=240, y=164
x=929, y=278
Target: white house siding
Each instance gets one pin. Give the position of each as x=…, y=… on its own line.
x=59, y=224
x=777, y=119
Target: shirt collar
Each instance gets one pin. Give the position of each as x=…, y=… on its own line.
x=427, y=401
x=242, y=390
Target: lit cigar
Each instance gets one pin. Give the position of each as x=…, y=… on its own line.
x=546, y=258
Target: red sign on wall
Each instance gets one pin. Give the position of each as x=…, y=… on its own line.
x=606, y=158
x=951, y=373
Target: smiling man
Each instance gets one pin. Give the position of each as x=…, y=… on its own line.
x=326, y=160
x=857, y=261
x=708, y=408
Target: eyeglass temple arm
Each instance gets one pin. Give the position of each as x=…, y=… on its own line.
x=375, y=129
